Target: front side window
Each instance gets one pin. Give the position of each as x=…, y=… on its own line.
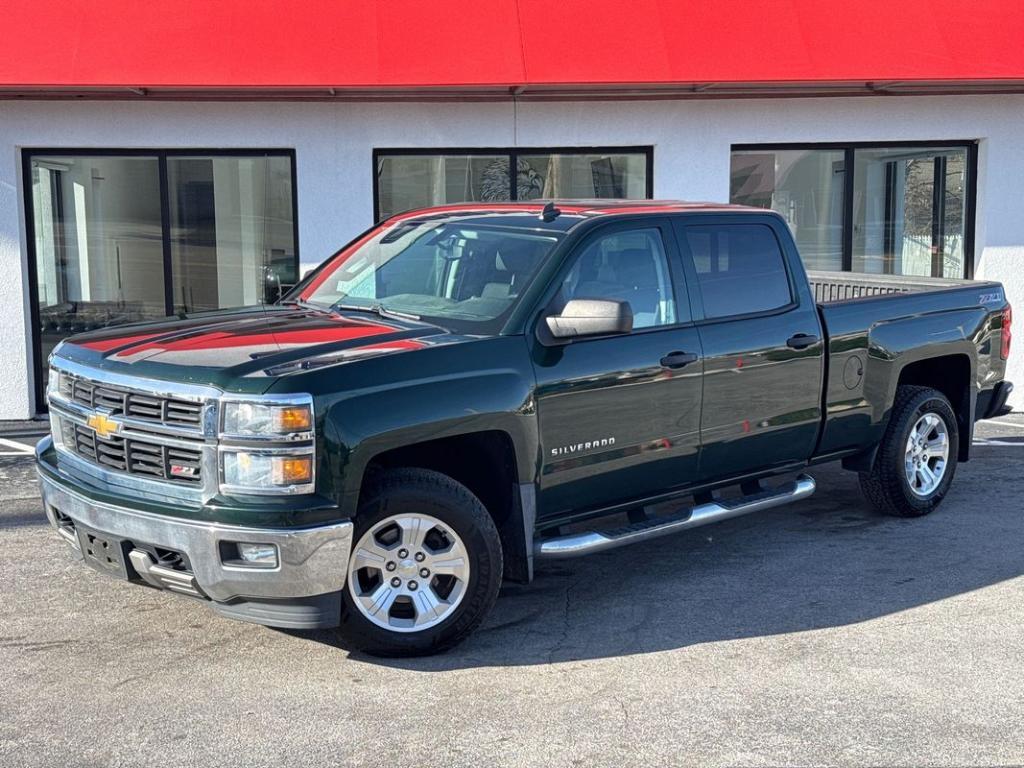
x=740, y=269
x=628, y=266
x=465, y=275
x=109, y=229
x=407, y=179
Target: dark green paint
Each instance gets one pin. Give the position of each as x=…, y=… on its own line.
x=749, y=404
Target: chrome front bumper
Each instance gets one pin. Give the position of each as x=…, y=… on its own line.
x=311, y=561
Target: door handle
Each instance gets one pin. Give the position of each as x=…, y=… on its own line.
x=678, y=359
x=802, y=340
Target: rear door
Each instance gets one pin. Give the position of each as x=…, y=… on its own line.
x=762, y=342
x=619, y=416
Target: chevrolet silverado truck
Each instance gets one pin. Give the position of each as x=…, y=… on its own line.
x=467, y=391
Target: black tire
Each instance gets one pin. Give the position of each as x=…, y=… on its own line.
x=429, y=493
x=886, y=486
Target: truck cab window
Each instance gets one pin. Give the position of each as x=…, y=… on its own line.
x=740, y=269
x=626, y=266
x=461, y=274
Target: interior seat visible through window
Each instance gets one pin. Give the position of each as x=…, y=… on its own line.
x=513, y=261
x=626, y=266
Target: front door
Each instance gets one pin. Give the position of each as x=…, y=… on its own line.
x=620, y=416
x=762, y=343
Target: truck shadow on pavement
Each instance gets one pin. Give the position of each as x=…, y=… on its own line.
x=826, y=562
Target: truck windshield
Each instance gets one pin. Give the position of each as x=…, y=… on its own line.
x=467, y=276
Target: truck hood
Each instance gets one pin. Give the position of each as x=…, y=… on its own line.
x=250, y=342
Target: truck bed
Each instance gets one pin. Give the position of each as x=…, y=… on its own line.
x=884, y=331
x=841, y=286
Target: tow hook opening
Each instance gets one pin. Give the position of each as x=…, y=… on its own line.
x=164, y=575
x=65, y=527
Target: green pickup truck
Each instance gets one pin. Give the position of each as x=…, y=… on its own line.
x=467, y=391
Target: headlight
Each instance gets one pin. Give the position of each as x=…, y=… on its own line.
x=255, y=472
x=244, y=418
x=267, y=444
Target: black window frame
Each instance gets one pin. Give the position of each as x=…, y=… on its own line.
x=849, y=148
x=513, y=154
x=162, y=156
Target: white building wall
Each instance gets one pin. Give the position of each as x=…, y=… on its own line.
x=333, y=144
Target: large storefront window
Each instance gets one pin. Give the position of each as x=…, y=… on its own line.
x=119, y=237
x=806, y=187
x=418, y=178
x=232, y=230
x=909, y=211
x=905, y=210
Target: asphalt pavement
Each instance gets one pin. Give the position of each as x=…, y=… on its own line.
x=816, y=634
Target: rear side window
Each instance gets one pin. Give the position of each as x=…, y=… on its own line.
x=740, y=269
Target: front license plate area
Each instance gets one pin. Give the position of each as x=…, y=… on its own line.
x=103, y=552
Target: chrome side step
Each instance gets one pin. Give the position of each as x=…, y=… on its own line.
x=588, y=542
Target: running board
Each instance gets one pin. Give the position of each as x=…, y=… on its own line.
x=588, y=542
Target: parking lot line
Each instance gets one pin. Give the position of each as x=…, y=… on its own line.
x=15, y=448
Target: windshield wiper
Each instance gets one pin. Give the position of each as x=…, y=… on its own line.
x=378, y=309
x=304, y=304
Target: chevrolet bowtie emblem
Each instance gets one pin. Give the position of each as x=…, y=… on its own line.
x=102, y=425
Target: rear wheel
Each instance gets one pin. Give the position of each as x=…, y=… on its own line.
x=425, y=567
x=917, y=456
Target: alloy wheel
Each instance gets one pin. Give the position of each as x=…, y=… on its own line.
x=926, y=455
x=408, y=572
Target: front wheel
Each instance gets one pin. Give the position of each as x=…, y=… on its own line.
x=425, y=567
x=917, y=456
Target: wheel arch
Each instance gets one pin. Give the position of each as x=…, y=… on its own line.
x=485, y=462
x=952, y=375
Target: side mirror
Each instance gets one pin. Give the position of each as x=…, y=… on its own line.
x=591, y=317
x=272, y=285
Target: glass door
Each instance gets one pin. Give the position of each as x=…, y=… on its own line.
x=909, y=211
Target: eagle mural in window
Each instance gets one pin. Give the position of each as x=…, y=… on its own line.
x=495, y=186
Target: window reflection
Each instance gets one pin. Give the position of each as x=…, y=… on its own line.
x=806, y=187
x=232, y=233
x=406, y=181
x=909, y=208
x=909, y=204
x=101, y=232
x=584, y=176
x=420, y=181
x=98, y=243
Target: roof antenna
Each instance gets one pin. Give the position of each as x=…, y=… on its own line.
x=550, y=212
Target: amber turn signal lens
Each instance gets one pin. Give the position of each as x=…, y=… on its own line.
x=294, y=471
x=295, y=419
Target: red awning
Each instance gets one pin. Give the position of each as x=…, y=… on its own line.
x=507, y=45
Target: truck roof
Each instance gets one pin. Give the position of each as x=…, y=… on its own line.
x=571, y=212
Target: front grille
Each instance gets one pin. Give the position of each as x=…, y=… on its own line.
x=118, y=401
x=133, y=456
